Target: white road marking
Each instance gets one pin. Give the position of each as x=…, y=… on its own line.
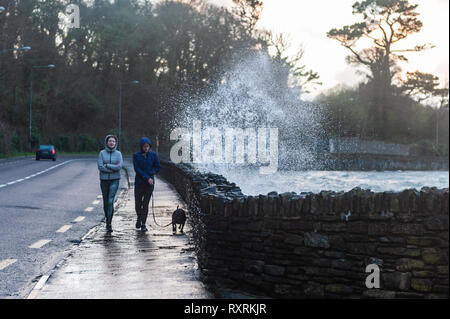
x=5, y=263
x=41, y=283
x=89, y=232
x=95, y=202
x=38, y=287
x=79, y=219
x=89, y=209
x=64, y=228
x=33, y=294
x=100, y=196
x=40, y=243
x=35, y=174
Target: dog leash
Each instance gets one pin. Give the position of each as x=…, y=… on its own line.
x=154, y=218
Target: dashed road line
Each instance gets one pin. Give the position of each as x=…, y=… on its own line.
x=64, y=228
x=40, y=243
x=79, y=219
x=5, y=263
x=89, y=209
x=95, y=202
x=33, y=175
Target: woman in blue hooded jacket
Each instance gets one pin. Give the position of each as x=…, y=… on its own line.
x=146, y=165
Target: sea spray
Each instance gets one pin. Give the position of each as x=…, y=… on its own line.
x=252, y=94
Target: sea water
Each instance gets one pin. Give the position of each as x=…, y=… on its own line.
x=253, y=183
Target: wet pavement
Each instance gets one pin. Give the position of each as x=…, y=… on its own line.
x=130, y=263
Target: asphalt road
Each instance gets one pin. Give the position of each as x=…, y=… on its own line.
x=45, y=208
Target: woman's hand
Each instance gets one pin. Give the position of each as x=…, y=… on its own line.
x=150, y=181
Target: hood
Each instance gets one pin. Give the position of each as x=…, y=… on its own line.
x=144, y=140
x=106, y=145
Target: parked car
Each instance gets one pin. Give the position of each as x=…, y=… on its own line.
x=46, y=151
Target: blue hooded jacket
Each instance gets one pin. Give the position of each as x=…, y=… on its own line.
x=145, y=166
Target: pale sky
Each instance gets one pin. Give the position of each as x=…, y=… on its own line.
x=307, y=22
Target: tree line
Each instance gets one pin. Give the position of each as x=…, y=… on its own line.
x=177, y=48
x=172, y=48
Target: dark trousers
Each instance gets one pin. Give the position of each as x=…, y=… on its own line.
x=142, y=196
x=109, y=190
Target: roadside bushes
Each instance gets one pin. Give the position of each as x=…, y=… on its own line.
x=13, y=142
x=10, y=140
x=76, y=143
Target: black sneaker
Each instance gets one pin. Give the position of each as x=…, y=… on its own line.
x=138, y=224
x=143, y=228
x=109, y=229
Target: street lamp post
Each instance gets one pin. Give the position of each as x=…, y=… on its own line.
x=50, y=66
x=120, y=108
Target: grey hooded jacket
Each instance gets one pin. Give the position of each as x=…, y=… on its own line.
x=109, y=162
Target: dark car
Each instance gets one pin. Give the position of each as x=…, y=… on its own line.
x=46, y=151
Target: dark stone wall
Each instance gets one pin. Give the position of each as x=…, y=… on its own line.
x=317, y=245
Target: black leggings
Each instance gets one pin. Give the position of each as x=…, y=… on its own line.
x=142, y=196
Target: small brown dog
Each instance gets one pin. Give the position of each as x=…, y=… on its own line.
x=178, y=217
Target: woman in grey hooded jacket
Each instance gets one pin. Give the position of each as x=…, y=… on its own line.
x=109, y=165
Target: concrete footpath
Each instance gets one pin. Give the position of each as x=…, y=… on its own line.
x=129, y=263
